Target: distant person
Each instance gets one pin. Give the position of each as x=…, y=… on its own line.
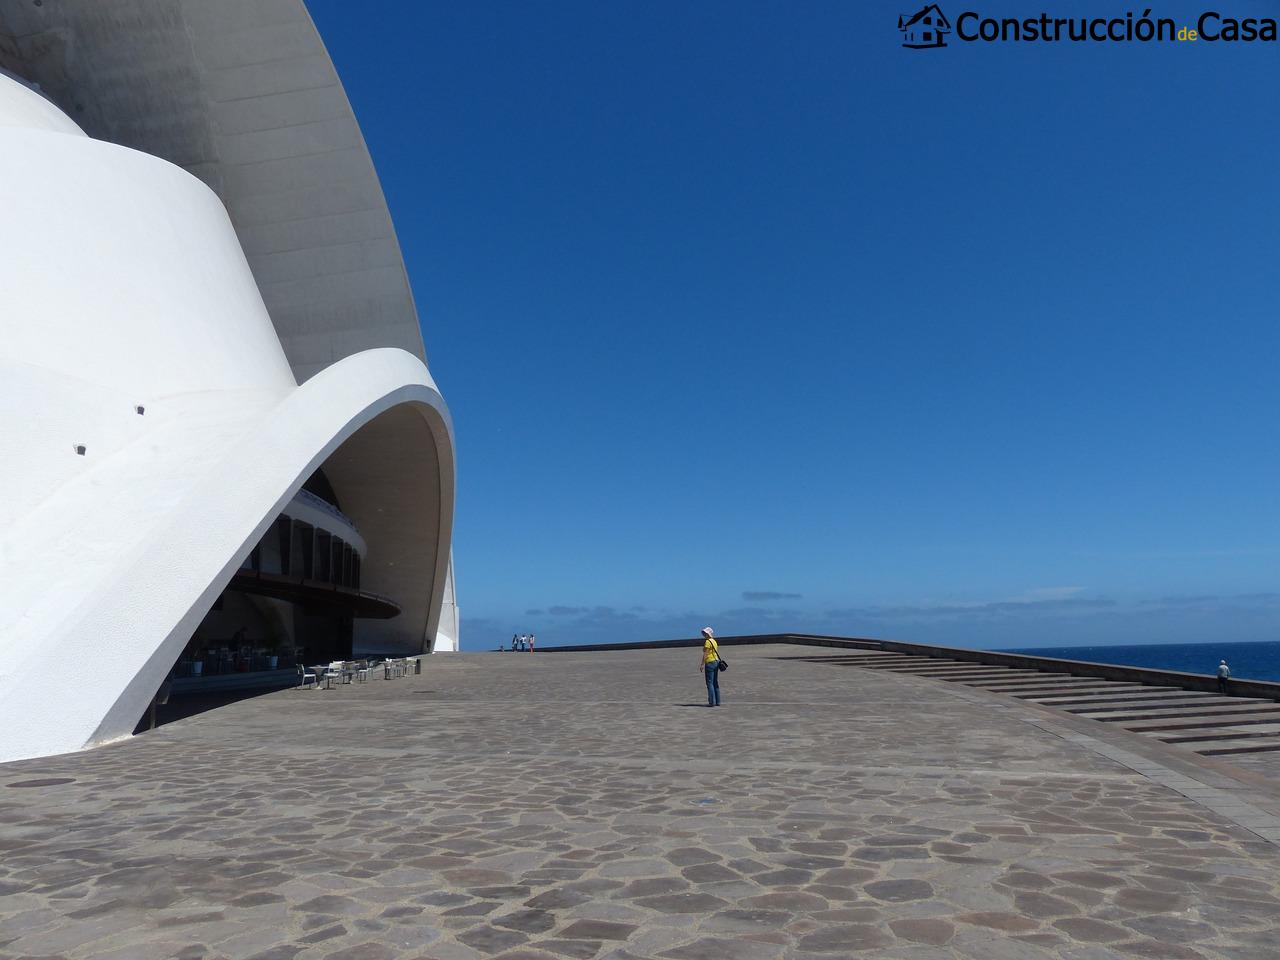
x=711, y=666
x=532, y=641
x=515, y=641
x=1224, y=674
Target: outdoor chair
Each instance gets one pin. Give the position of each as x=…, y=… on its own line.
x=332, y=672
x=305, y=676
x=362, y=671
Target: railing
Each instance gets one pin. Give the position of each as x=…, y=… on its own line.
x=323, y=505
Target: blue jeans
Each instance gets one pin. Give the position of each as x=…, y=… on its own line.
x=712, y=670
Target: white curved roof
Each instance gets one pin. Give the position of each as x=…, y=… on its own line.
x=242, y=94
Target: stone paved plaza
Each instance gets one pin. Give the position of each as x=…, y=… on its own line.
x=588, y=805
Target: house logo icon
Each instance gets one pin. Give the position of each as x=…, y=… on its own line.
x=925, y=29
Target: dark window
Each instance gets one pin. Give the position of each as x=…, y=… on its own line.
x=335, y=567
x=324, y=556
x=304, y=536
x=284, y=533
x=319, y=485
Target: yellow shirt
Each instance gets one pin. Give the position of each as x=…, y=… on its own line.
x=710, y=651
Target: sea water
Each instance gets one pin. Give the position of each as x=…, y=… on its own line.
x=1248, y=661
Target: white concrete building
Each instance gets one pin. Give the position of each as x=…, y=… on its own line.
x=203, y=311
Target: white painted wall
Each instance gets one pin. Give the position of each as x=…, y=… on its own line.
x=22, y=106
x=243, y=95
x=449, y=635
x=124, y=284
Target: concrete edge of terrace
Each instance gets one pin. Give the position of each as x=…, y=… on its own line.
x=1076, y=668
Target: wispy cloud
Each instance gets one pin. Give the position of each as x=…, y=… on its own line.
x=1188, y=601
x=1208, y=600
x=1033, y=604
x=761, y=596
x=1050, y=593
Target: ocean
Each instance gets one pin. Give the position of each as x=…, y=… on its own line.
x=1248, y=661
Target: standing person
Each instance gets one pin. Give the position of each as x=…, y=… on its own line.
x=532, y=640
x=1224, y=674
x=711, y=666
x=515, y=641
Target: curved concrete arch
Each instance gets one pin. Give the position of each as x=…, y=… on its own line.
x=287, y=446
x=158, y=431
x=112, y=652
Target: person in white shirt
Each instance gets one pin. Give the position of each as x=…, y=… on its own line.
x=1224, y=674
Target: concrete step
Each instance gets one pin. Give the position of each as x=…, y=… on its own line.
x=973, y=679
x=967, y=674
x=1061, y=689
x=1244, y=718
x=1150, y=693
x=1174, y=710
x=1101, y=698
x=1014, y=674
x=963, y=665
x=1080, y=698
x=848, y=663
x=1221, y=748
x=1039, y=689
x=1048, y=680
x=913, y=662
x=1033, y=686
x=1068, y=681
x=1223, y=733
x=922, y=663
x=1098, y=712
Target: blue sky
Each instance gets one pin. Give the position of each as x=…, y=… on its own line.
x=748, y=316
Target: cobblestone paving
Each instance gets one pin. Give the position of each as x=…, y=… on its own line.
x=586, y=806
